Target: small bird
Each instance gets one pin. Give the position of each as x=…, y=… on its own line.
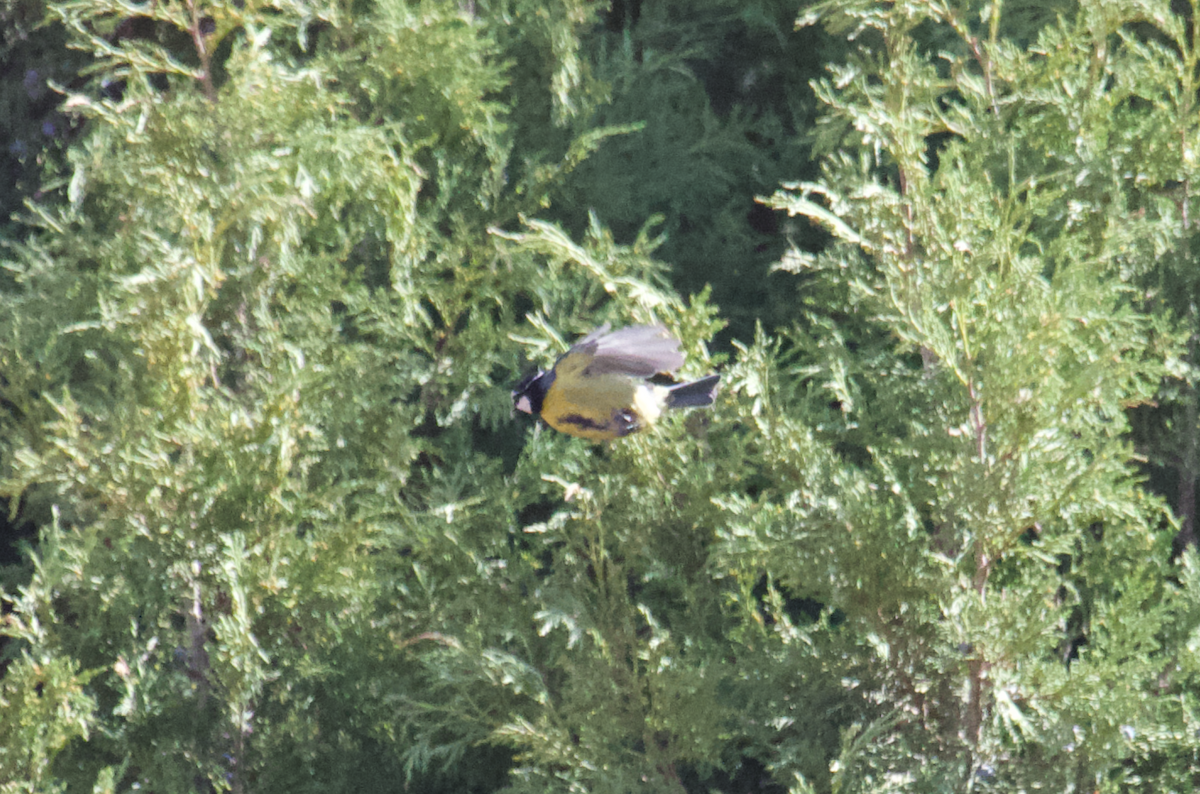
x=598, y=390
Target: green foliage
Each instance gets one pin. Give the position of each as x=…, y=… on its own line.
x=236, y=356
x=722, y=91
x=255, y=356
x=991, y=209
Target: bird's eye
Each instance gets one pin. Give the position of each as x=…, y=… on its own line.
x=526, y=382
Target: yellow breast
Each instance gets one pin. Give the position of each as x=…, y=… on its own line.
x=601, y=408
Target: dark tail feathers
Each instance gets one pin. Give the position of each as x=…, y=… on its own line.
x=696, y=394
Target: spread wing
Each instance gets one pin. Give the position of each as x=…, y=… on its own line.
x=638, y=351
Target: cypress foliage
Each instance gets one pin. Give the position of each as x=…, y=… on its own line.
x=964, y=493
x=255, y=356
x=244, y=361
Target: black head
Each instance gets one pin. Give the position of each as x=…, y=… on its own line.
x=531, y=391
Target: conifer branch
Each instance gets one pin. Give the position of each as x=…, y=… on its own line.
x=199, y=36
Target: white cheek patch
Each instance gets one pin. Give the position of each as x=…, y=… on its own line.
x=522, y=404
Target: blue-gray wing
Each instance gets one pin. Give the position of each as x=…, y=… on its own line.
x=638, y=351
